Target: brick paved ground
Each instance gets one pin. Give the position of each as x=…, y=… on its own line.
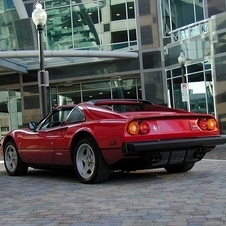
x=144, y=198
x=218, y=153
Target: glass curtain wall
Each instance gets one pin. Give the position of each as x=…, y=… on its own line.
x=219, y=23
x=200, y=88
x=129, y=88
x=176, y=14
x=216, y=7
x=10, y=111
x=8, y=16
x=93, y=25
x=78, y=24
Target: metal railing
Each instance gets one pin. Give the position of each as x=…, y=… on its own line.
x=191, y=30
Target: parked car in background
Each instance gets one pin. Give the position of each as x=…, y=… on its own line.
x=99, y=136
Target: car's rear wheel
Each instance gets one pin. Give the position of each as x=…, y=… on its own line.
x=89, y=164
x=180, y=168
x=13, y=163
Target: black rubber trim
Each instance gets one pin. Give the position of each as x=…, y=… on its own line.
x=178, y=144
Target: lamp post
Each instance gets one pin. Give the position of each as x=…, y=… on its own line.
x=184, y=86
x=182, y=60
x=39, y=18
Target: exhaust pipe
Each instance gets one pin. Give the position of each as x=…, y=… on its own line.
x=155, y=158
x=200, y=153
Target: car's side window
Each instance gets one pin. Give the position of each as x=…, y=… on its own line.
x=55, y=119
x=76, y=115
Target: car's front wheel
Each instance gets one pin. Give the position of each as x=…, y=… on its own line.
x=180, y=168
x=89, y=164
x=13, y=164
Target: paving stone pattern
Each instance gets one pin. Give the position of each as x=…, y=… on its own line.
x=143, y=198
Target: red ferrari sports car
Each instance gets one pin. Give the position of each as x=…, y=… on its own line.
x=100, y=136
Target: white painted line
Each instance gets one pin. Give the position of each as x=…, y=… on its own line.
x=1, y=161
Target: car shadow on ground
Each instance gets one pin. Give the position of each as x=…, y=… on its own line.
x=141, y=175
x=116, y=177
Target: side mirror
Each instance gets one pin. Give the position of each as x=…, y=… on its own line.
x=32, y=126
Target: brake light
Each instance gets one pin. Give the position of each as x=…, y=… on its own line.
x=144, y=127
x=207, y=124
x=202, y=124
x=134, y=128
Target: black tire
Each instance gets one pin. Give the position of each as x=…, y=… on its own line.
x=13, y=164
x=180, y=168
x=90, y=167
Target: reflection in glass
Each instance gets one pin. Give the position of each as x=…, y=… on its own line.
x=197, y=95
x=200, y=87
x=174, y=13
x=116, y=88
x=154, y=87
x=77, y=24
x=96, y=94
x=177, y=93
x=118, y=12
x=80, y=25
x=128, y=88
x=10, y=111
x=209, y=92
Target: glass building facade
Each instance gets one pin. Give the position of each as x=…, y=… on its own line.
x=156, y=30
x=199, y=35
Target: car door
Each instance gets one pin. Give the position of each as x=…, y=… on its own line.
x=38, y=146
x=62, y=145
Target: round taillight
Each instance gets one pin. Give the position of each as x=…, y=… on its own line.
x=207, y=124
x=202, y=124
x=144, y=127
x=211, y=124
x=133, y=128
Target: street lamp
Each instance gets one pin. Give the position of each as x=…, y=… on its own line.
x=184, y=86
x=39, y=18
x=182, y=60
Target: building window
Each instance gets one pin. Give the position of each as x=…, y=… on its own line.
x=154, y=87
x=129, y=88
x=146, y=35
x=151, y=60
x=130, y=10
x=144, y=7
x=200, y=88
x=31, y=97
x=118, y=12
x=175, y=14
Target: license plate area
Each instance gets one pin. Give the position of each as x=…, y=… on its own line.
x=177, y=157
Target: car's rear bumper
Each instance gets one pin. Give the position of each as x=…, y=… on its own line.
x=176, y=144
x=162, y=153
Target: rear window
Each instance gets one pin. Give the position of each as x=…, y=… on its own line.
x=76, y=115
x=123, y=107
